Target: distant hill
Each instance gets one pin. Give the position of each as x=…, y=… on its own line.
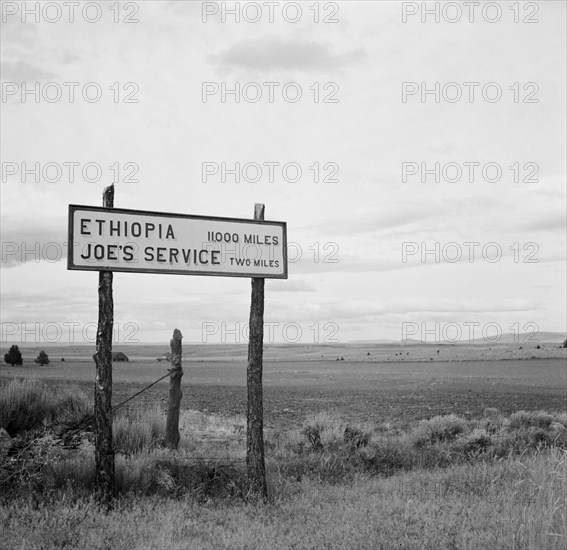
x=529, y=337
x=381, y=341
x=508, y=338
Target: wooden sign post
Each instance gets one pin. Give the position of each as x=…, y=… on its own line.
x=104, y=451
x=255, y=463
x=111, y=240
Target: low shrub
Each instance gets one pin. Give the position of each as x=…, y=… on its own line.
x=525, y=419
x=325, y=431
x=477, y=442
x=325, y=466
x=176, y=476
x=387, y=457
x=438, y=429
x=355, y=437
x=73, y=470
x=138, y=431
x=204, y=480
x=27, y=404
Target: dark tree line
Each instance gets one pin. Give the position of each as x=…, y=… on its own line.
x=14, y=357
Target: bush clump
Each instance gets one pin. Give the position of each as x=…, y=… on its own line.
x=27, y=404
x=324, y=431
x=526, y=419
x=142, y=430
x=439, y=429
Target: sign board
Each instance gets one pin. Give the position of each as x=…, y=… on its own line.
x=115, y=239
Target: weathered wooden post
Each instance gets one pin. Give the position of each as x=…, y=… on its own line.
x=104, y=451
x=255, y=462
x=172, y=436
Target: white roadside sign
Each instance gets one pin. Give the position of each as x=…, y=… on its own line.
x=114, y=239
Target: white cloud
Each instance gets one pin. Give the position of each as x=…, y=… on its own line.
x=362, y=219
x=275, y=53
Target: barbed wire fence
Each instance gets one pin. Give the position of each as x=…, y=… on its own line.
x=86, y=422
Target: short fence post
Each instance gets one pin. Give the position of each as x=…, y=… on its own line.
x=172, y=435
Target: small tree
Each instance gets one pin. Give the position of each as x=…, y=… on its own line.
x=565, y=344
x=14, y=356
x=42, y=358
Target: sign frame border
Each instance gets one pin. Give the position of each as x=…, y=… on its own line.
x=73, y=267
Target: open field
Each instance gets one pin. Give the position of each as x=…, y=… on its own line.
x=458, y=508
x=476, y=475
x=301, y=380
x=522, y=347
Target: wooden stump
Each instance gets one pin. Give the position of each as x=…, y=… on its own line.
x=172, y=436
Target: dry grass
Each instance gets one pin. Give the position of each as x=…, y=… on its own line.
x=137, y=431
x=28, y=404
x=516, y=503
x=448, y=482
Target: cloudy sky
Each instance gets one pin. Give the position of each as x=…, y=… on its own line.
x=365, y=132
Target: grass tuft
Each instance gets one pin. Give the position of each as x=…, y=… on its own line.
x=439, y=429
x=138, y=431
x=27, y=405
